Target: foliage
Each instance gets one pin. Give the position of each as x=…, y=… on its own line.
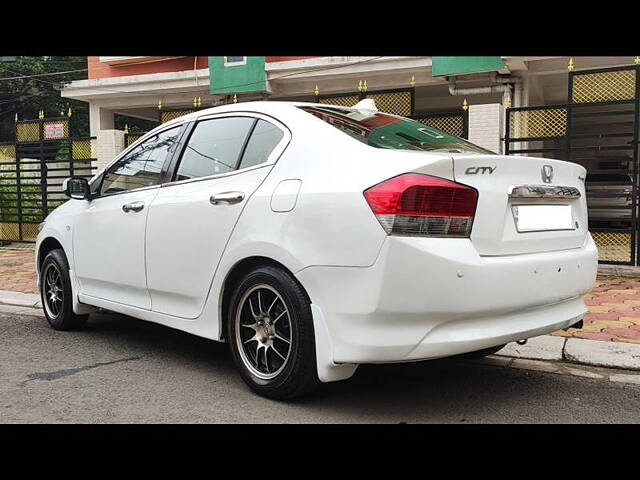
x=30, y=195
x=27, y=96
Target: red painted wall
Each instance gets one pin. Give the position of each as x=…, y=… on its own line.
x=98, y=69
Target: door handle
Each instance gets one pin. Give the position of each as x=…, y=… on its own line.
x=135, y=206
x=226, y=197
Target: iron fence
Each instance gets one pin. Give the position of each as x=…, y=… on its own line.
x=32, y=170
x=598, y=129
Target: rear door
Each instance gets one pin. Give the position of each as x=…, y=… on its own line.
x=496, y=229
x=225, y=159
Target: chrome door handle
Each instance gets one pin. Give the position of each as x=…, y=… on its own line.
x=135, y=206
x=226, y=197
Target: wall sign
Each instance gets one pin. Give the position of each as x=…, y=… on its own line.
x=54, y=130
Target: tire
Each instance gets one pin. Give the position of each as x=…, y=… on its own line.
x=484, y=352
x=54, y=277
x=269, y=305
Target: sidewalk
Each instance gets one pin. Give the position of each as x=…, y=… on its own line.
x=17, y=269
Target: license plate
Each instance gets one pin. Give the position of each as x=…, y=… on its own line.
x=542, y=218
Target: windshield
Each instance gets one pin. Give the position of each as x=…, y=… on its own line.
x=382, y=130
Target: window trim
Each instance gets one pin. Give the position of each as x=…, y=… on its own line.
x=98, y=179
x=273, y=157
x=234, y=64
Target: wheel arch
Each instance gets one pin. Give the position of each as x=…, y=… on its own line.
x=47, y=245
x=235, y=274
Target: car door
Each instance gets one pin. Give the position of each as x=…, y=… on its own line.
x=223, y=162
x=108, y=236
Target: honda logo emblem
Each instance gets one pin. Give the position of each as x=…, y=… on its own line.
x=547, y=173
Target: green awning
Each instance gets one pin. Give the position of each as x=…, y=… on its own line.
x=460, y=65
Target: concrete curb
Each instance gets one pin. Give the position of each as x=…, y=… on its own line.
x=19, y=299
x=577, y=350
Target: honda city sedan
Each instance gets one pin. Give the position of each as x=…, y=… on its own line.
x=315, y=238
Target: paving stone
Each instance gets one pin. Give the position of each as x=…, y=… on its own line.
x=626, y=339
x=594, y=336
x=600, y=324
x=623, y=332
x=600, y=308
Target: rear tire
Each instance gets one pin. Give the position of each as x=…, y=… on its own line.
x=270, y=332
x=56, y=294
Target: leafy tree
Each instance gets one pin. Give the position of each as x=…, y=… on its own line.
x=26, y=95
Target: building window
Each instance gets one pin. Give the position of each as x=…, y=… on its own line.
x=233, y=61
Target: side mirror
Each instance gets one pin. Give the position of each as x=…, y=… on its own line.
x=76, y=187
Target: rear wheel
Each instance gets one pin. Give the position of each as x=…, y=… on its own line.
x=55, y=293
x=270, y=330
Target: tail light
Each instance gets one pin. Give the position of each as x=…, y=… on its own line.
x=414, y=204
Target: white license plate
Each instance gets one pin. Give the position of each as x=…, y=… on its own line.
x=541, y=218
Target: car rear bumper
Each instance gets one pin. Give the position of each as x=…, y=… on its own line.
x=430, y=298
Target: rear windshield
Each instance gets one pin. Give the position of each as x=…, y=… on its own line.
x=382, y=130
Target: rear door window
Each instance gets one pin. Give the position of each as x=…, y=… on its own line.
x=264, y=138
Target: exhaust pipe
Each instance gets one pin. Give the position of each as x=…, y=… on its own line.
x=521, y=342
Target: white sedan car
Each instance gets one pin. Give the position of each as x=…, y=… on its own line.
x=314, y=238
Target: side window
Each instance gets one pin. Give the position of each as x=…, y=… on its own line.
x=264, y=138
x=142, y=166
x=214, y=147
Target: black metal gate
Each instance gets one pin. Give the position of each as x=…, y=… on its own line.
x=32, y=170
x=596, y=128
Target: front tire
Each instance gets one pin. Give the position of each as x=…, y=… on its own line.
x=56, y=294
x=270, y=331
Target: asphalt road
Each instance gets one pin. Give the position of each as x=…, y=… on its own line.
x=119, y=369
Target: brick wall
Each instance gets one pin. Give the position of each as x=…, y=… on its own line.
x=485, y=126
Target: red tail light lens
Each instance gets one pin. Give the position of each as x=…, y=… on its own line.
x=414, y=204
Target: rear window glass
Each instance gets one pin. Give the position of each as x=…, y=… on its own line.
x=382, y=130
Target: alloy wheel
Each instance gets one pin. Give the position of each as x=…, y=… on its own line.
x=53, y=290
x=263, y=331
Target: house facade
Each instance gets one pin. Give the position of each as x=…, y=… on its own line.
x=583, y=109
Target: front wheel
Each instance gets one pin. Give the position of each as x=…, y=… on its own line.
x=55, y=293
x=270, y=331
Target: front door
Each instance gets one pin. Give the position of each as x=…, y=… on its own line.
x=108, y=236
x=190, y=221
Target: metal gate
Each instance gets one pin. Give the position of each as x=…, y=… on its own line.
x=32, y=170
x=596, y=128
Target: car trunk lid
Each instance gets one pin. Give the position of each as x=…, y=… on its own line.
x=505, y=182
